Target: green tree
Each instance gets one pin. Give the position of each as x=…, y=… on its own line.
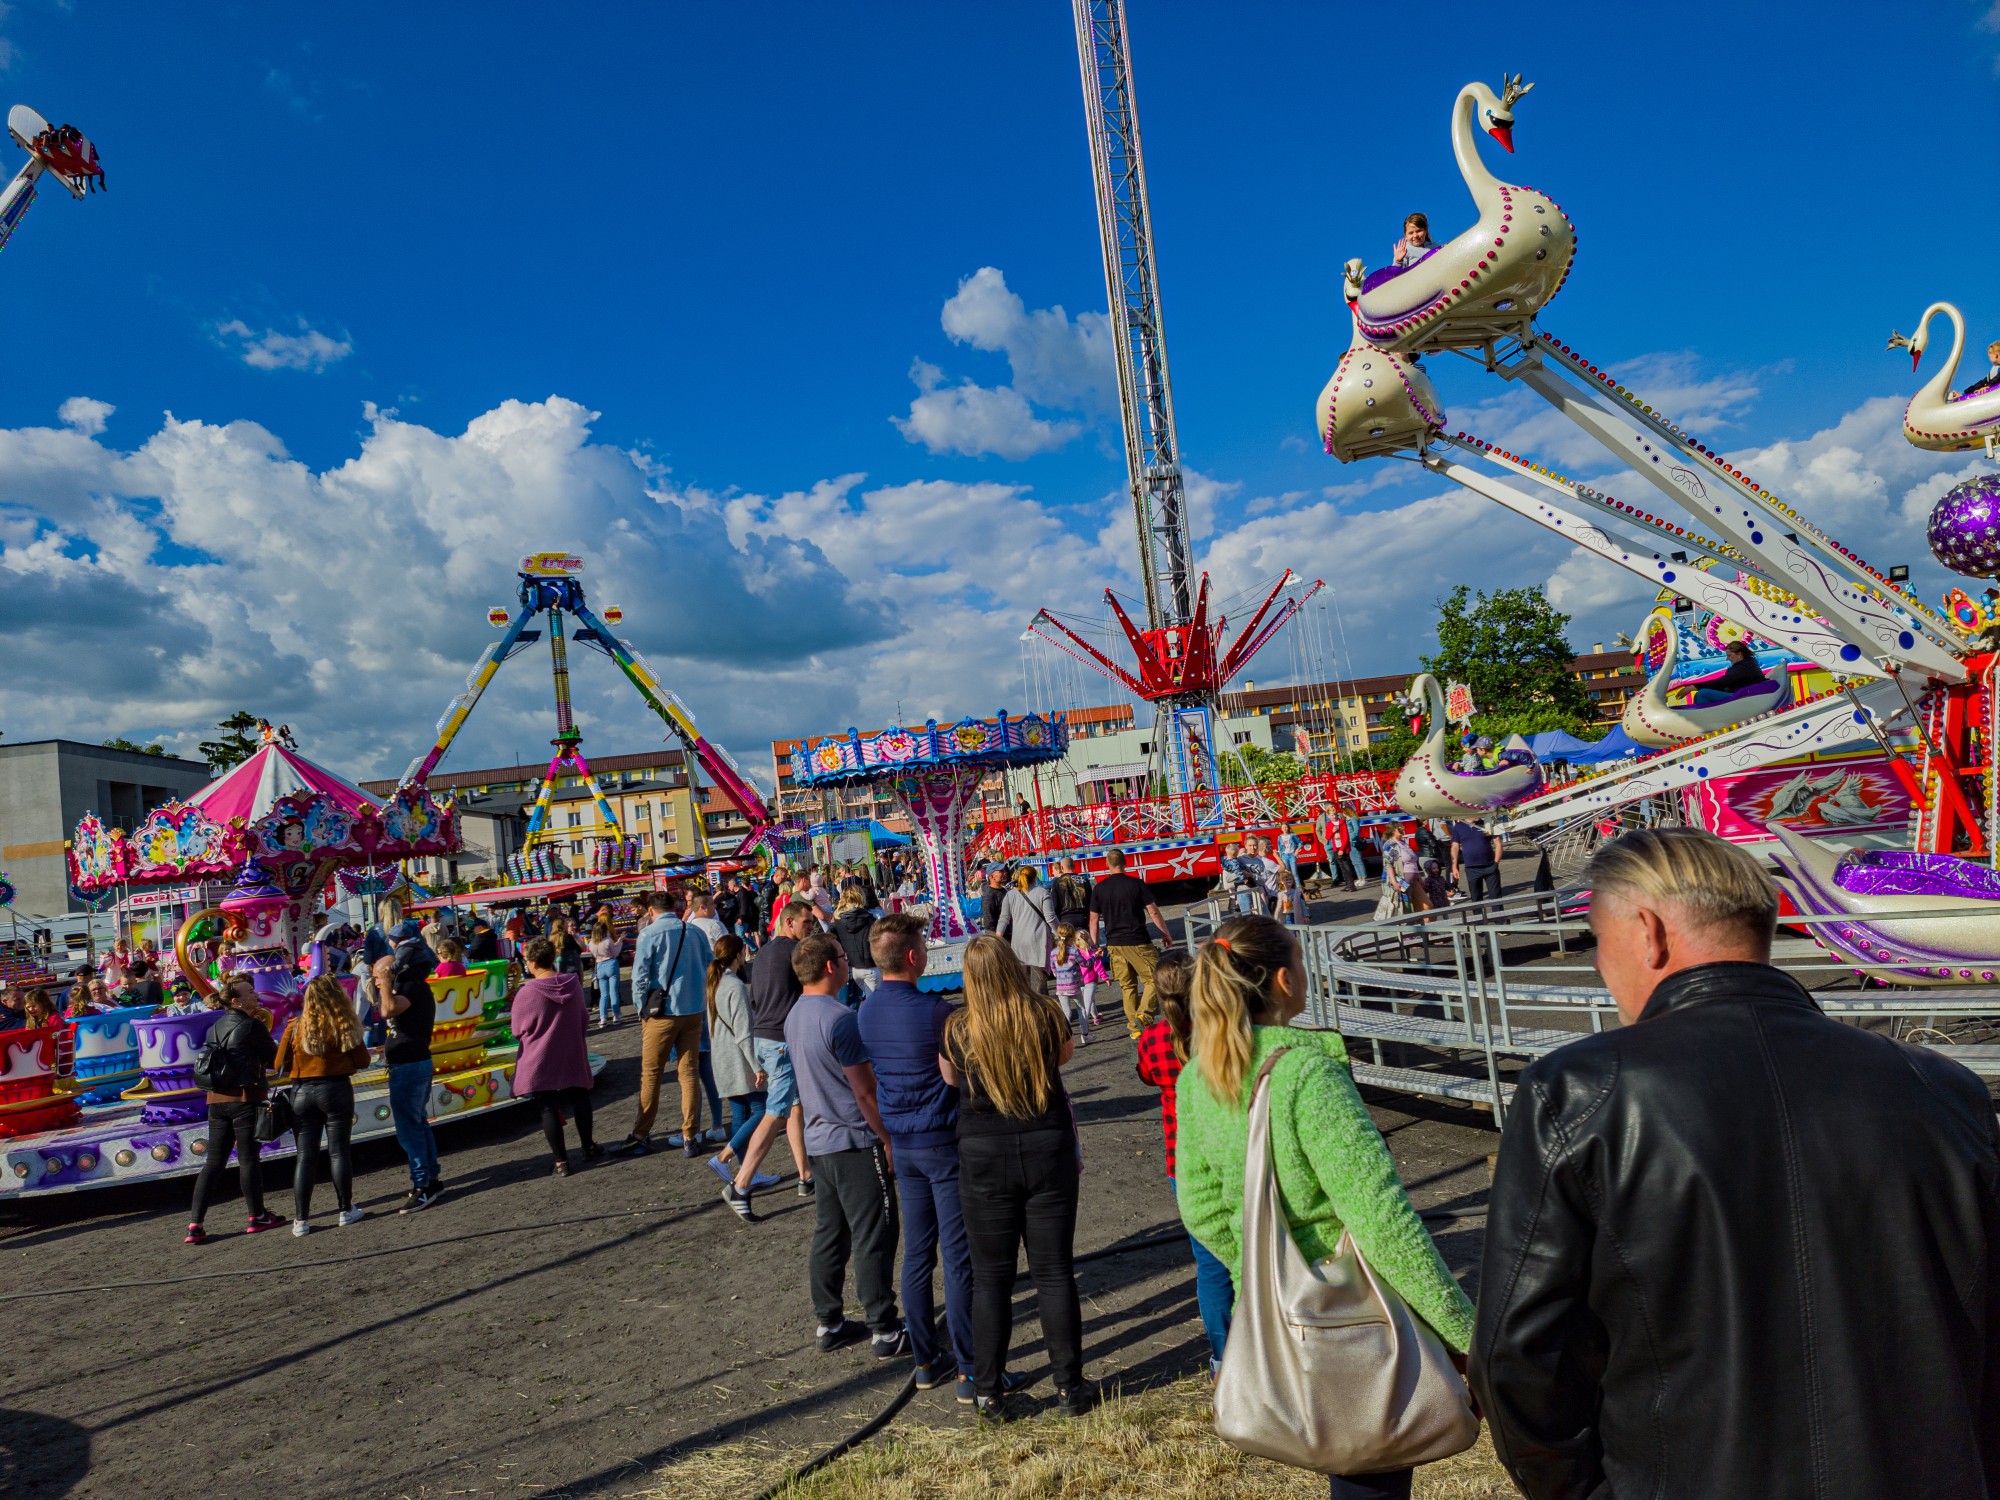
x=1509, y=648
x=119, y=742
x=236, y=743
x=1264, y=766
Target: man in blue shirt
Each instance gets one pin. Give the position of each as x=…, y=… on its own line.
x=1475, y=854
x=903, y=1029
x=669, y=978
x=852, y=1163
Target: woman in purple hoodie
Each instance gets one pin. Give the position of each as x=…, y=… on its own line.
x=550, y=1016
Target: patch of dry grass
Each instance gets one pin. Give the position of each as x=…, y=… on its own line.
x=1155, y=1444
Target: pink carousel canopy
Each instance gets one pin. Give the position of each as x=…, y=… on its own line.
x=253, y=789
x=277, y=807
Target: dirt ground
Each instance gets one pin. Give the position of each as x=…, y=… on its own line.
x=535, y=1337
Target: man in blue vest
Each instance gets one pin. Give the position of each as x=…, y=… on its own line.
x=903, y=1029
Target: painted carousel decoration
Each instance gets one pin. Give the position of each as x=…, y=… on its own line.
x=935, y=776
x=61, y=151
x=1938, y=419
x=1377, y=402
x=1488, y=281
x=1435, y=783
x=1651, y=718
x=297, y=821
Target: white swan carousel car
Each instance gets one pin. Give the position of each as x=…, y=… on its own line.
x=1876, y=894
x=1489, y=281
x=1653, y=721
x=1935, y=418
x=1430, y=786
x=1377, y=403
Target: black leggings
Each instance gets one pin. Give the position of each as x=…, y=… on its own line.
x=553, y=1103
x=232, y=1124
x=1015, y=1192
x=322, y=1105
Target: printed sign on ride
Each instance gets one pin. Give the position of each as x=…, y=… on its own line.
x=551, y=564
x=498, y=616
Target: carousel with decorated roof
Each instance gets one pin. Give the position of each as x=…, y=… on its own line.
x=110, y=1097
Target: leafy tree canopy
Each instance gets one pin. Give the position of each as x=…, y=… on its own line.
x=1264, y=766
x=236, y=743
x=119, y=742
x=1509, y=648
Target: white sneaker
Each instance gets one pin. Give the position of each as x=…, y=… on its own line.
x=352, y=1216
x=300, y=1229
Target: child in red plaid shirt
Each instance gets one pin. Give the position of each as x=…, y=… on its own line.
x=1163, y=1052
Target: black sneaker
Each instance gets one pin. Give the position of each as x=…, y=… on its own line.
x=593, y=1153
x=846, y=1332
x=632, y=1146
x=691, y=1148
x=1010, y=1382
x=805, y=1187
x=419, y=1200
x=892, y=1345
x=1077, y=1400
x=739, y=1200
x=992, y=1409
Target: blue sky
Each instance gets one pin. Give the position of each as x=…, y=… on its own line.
x=738, y=238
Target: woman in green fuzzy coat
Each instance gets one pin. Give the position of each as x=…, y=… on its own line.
x=1334, y=1170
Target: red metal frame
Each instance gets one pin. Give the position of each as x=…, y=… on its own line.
x=1180, y=661
x=1955, y=777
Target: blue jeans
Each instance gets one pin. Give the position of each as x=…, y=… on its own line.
x=607, y=992
x=744, y=1113
x=410, y=1106
x=1214, y=1294
x=927, y=1184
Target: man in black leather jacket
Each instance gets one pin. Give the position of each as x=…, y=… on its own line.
x=1737, y=1250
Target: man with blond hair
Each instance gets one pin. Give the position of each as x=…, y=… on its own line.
x=1735, y=1247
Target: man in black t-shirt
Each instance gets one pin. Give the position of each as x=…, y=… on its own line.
x=144, y=988
x=404, y=976
x=1072, y=895
x=774, y=990
x=1120, y=908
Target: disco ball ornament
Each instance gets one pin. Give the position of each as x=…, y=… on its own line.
x=1964, y=532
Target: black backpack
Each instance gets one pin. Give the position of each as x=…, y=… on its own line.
x=218, y=1067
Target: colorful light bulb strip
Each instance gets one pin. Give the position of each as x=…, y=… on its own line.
x=1882, y=588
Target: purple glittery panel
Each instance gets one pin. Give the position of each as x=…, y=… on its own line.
x=181, y=1109
x=1883, y=872
x=170, y=1139
x=1964, y=529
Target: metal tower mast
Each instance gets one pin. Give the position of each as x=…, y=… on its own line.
x=1132, y=284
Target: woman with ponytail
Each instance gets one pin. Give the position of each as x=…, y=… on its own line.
x=1334, y=1170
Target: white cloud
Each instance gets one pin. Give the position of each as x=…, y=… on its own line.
x=976, y=420
x=268, y=349
x=85, y=415
x=1057, y=362
x=152, y=590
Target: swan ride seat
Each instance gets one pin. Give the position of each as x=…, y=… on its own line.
x=1488, y=282
x=1377, y=403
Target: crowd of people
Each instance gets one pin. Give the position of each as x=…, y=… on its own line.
x=1733, y=1246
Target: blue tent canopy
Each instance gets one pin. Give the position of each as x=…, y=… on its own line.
x=1617, y=745
x=1558, y=744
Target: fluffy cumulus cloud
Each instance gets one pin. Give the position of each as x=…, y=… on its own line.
x=152, y=589
x=270, y=349
x=1058, y=363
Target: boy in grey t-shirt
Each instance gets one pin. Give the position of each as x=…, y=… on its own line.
x=856, y=1199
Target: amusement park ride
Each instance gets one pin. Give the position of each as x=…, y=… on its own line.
x=551, y=587
x=60, y=150
x=1907, y=682
x=1182, y=663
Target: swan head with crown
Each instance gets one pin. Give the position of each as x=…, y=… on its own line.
x=1935, y=418
x=1488, y=282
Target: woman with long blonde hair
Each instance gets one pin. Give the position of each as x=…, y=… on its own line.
x=1018, y=1169
x=322, y=1050
x=1334, y=1170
